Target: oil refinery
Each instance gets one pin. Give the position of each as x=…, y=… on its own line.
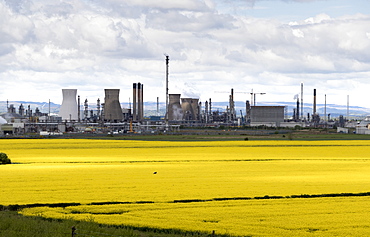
x=109, y=116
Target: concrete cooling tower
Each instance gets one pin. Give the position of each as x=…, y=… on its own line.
x=69, y=109
x=174, y=108
x=190, y=108
x=112, y=107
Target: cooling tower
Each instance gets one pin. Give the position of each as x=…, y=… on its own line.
x=68, y=109
x=112, y=107
x=190, y=108
x=174, y=108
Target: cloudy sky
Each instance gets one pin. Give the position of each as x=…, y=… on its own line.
x=268, y=46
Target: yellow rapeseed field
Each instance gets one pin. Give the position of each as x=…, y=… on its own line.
x=283, y=217
x=87, y=171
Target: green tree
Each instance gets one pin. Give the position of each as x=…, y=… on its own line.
x=4, y=159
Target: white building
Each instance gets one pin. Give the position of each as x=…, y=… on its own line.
x=364, y=126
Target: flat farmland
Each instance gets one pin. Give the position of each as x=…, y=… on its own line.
x=195, y=186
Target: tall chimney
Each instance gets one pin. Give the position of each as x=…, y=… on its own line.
x=232, y=105
x=297, y=117
x=247, y=110
x=325, y=110
x=142, y=102
x=210, y=109
x=157, y=106
x=347, y=107
x=206, y=111
x=134, y=102
x=98, y=108
x=301, y=100
x=167, y=65
x=139, y=109
x=78, y=109
x=314, y=101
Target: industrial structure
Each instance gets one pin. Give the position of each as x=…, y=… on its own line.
x=111, y=117
x=138, y=102
x=112, y=107
x=271, y=116
x=69, y=108
x=175, y=112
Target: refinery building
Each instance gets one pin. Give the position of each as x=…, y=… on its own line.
x=108, y=115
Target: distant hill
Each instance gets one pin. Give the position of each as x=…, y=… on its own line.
x=151, y=108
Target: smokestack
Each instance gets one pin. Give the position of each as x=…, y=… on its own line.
x=167, y=65
x=86, y=111
x=314, y=101
x=78, y=109
x=247, y=110
x=134, y=102
x=142, y=102
x=231, y=105
x=206, y=111
x=199, y=110
x=98, y=108
x=347, y=107
x=325, y=109
x=157, y=106
x=210, y=109
x=297, y=118
x=139, y=115
x=301, y=100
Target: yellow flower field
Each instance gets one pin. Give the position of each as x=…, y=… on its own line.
x=88, y=171
x=283, y=217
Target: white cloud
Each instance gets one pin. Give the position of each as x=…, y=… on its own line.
x=321, y=18
x=97, y=44
x=298, y=33
x=191, y=5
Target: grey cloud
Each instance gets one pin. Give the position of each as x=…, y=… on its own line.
x=135, y=8
x=19, y=6
x=177, y=21
x=60, y=9
x=113, y=42
x=252, y=2
x=49, y=39
x=184, y=5
x=14, y=27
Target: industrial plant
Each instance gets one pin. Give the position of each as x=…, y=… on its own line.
x=108, y=116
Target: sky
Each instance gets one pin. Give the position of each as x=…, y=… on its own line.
x=264, y=46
